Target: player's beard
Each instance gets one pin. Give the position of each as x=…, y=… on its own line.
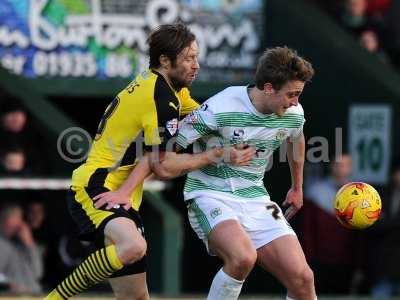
x=178, y=83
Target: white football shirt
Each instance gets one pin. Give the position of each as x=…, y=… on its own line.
x=229, y=118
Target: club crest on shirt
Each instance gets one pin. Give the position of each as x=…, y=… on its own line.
x=172, y=126
x=282, y=134
x=215, y=212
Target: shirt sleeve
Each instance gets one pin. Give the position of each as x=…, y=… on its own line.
x=159, y=126
x=160, y=119
x=188, y=104
x=298, y=131
x=197, y=124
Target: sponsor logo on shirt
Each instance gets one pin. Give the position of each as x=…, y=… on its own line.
x=237, y=136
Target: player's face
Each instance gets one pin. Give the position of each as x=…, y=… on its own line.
x=287, y=96
x=186, y=67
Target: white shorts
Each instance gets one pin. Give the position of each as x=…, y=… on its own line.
x=262, y=220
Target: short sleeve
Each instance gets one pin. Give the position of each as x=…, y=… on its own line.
x=298, y=131
x=197, y=124
x=160, y=120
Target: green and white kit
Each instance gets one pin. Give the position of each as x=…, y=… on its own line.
x=222, y=191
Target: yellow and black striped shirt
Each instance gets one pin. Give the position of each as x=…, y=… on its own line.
x=145, y=113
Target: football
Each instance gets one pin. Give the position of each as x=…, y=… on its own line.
x=357, y=205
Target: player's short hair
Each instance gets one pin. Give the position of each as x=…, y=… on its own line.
x=168, y=40
x=279, y=65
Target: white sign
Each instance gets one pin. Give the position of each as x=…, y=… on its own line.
x=36, y=41
x=370, y=142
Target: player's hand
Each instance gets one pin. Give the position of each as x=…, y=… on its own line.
x=294, y=201
x=112, y=199
x=240, y=155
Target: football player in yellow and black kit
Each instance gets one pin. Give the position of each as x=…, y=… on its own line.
x=142, y=116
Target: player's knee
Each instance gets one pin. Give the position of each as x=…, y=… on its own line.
x=303, y=280
x=245, y=261
x=307, y=277
x=133, y=250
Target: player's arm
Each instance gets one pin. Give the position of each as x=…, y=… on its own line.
x=295, y=154
x=168, y=165
x=122, y=195
x=198, y=124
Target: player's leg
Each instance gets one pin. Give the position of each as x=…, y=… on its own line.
x=128, y=240
x=284, y=258
x=278, y=250
x=129, y=283
x=130, y=287
x=230, y=242
x=128, y=246
x=216, y=224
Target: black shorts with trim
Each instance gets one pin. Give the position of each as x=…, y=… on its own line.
x=91, y=223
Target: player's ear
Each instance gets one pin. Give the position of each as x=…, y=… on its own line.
x=164, y=61
x=268, y=88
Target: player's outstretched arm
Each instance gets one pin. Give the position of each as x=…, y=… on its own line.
x=170, y=164
x=295, y=154
x=122, y=196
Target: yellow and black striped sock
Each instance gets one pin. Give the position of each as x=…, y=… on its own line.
x=94, y=269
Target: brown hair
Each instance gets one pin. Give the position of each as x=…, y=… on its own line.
x=279, y=65
x=168, y=40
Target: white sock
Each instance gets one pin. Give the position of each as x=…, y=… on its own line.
x=224, y=287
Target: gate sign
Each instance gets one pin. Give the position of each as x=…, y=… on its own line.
x=107, y=38
x=370, y=142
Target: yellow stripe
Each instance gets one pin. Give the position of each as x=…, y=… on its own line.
x=98, y=268
x=88, y=272
x=65, y=289
x=101, y=262
x=78, y=280
x=113, y=258
x=103, y=255
x=71, y=286
x=92, y=271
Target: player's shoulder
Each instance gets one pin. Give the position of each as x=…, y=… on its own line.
x=226, y=99
x=140, y=87
x=298, y=110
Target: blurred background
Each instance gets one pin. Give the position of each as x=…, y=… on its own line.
x=63, y=61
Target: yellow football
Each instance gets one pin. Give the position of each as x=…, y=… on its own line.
x=357, y=205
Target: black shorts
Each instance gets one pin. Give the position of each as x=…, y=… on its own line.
x=91, y=223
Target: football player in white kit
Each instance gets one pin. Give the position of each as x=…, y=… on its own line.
x=228, y=206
